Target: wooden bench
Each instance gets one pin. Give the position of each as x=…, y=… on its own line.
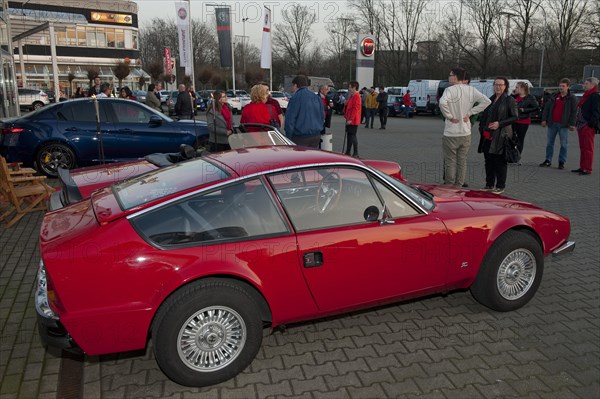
x=22, y=191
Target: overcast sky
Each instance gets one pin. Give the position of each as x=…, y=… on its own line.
x=326, y=11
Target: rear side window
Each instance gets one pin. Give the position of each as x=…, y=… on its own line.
x=240, y=211
x=81, y=111
x=166, y=181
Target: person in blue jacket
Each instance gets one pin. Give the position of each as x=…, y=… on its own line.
x=305, y=115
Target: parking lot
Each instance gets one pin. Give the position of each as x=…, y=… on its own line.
x=439, y=347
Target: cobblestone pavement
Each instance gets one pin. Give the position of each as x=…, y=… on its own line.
x=438, y=347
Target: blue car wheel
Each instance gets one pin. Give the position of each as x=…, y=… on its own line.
x=52, y=156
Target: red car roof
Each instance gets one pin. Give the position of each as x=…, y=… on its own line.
x=249, y=161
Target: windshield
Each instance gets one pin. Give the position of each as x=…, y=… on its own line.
x=256, y=139
x=420, y=197
x=166, y=181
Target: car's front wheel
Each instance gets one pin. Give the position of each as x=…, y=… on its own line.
x=510, y=273
x=207, y=332
x=52, y=156
x=37, y=105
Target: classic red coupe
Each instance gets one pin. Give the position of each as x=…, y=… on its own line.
x=202, y=255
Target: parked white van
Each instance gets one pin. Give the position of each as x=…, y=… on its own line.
x=486, y=86
x=423, y=93
x=396, y=90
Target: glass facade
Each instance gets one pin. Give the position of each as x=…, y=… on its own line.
x=8, y=88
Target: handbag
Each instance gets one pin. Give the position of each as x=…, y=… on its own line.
x=511, y=151
x=274, y=121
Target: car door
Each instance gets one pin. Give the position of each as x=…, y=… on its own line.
x=348, y=260
x=139, y=136
x=76, y=122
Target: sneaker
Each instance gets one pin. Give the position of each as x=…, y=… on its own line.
x=585, y=173
x=546, y=163
x=487, y=188
x=498, y=190
x=561, y=165
x=577, y=170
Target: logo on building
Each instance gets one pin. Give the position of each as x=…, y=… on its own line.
x=367, y=47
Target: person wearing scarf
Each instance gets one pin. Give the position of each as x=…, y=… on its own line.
x=588, y=124
x=495, y=128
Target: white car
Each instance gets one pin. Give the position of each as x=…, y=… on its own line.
x=164, y=95
x=281, y=98
x=32, y=99
x=237, y=100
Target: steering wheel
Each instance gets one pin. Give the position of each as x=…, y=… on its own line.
x=329, y=192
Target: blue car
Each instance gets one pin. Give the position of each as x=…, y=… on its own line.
x=65, y=135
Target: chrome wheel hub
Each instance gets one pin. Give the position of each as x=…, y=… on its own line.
x=211, y=338
x=516, y=274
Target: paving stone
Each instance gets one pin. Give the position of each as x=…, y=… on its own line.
x=373, y=391
x=248, y=391
x=371, y=377
x=282, y=388
x=290, y=361
x=286, y=374
x=335, y=382
x=301, y=387
x=330, y=355
x=319, y=370
x=338, y=394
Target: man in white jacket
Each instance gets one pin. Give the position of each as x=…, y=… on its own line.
x=457, y=104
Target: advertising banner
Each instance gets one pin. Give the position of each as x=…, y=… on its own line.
x=183, y=30
x=265, y=55
x=224, y=35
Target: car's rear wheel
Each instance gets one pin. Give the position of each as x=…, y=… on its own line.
x=37, y=105
x=510, y=273
x=52, y=156
x=207, y=333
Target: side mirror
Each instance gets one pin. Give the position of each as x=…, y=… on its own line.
x=155, y=120
x=371, y=214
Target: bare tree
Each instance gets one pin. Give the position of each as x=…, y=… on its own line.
x=339, y=45
x=293, y=37
x=155, y=69
x=517, y=41
x=565, y=26
x=477, y=40
x=92, y=72
x=410, y=18
x=121, y=71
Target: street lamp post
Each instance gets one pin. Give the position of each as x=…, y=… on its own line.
x=244, y=44
x=350, y=63
x=543, y=46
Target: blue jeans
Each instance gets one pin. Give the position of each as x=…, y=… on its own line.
x=370, y=118
x=563, y=133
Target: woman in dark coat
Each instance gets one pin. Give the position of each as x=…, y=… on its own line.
x=495, y=128
x=218, y=118
x=526, y=104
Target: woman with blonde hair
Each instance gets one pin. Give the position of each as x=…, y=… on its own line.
x=258, y=111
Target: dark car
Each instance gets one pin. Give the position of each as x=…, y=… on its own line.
x=541, y=94
x=396, y=107
x=65, y=134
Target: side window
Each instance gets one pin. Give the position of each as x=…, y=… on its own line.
x=396, y=206
x=239, y=211
x=325, y=197
x=82, y=111
x=129, y=112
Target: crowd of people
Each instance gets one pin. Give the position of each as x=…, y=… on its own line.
x=504, y=119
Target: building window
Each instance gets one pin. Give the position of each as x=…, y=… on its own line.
x=81, y=36
x=91, y=37
x=100, y=37
x=71, y=37
x=61, y=38
x=120, y=36
x=110, y=37
x=135, y=41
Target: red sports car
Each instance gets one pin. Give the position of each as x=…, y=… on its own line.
x=202, y=255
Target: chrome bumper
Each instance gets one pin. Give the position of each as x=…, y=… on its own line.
x=564, y=249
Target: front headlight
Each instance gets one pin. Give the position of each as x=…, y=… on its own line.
x=42, y=305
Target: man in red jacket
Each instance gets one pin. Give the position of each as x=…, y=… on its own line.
x=352, y=108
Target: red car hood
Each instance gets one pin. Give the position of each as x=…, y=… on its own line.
x=475, y=199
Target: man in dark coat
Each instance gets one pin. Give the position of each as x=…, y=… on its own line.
x=183, y=106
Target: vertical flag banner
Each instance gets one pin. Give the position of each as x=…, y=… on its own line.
x=167, y=57
x=224, y=35
x=265, y=55
x=183, y=29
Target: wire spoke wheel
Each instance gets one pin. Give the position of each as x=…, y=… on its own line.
x=516, y=274
x=211, y=338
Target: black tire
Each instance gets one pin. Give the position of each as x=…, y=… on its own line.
x=510, y=273
x=37, y=105
x=52, y=156
x=233, y=338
